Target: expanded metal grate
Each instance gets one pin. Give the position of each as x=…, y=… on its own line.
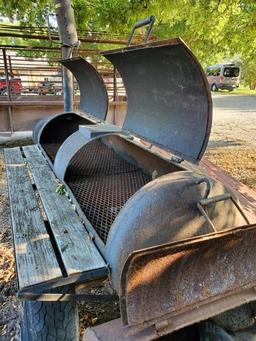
x=51, y=149
x=102, y=182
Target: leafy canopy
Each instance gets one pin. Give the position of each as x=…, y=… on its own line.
x=215, y=30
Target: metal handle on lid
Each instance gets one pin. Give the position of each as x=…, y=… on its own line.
x=143, y=22
x=216, y=199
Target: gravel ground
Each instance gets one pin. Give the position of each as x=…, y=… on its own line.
x=234, y=121
x=239, y=161
x=233, y=139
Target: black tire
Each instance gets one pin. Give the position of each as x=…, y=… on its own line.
x=214, y=87
x=50, y=321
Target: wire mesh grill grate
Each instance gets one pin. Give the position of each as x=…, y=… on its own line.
x=102, y=182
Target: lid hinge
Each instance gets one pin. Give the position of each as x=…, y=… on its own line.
x=176, y=159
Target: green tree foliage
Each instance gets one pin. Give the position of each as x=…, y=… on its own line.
x=216, y=30
x=249, y=70
x=26, y=11
x=212, y=28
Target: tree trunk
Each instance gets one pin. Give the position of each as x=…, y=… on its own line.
x=68, y=37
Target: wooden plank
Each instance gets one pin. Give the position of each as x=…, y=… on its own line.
x=35, y=258
x=246, y=195
x=77, y=250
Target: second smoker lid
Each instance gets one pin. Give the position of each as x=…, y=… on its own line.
x=93, y=93
x=169, y=102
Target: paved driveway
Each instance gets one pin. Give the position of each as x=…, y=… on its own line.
x=234, y=120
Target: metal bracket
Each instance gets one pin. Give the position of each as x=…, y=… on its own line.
x=176, y=159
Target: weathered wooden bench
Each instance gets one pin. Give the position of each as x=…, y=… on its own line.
x=52, y=247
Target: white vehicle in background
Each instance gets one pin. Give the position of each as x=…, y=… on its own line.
x=223, y=76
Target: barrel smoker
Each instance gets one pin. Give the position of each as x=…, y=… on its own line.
x=174, y=238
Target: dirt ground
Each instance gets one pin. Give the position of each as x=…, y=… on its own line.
x=232, y=143
x=239, y=161
x=232, y=147
x=234, y=120
x=10, y=307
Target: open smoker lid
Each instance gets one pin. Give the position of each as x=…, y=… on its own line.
x=93, y=93
x=169, y=102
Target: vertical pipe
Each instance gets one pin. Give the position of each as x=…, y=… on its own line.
x=114, y=97
x=68, y=88
x=68, y=37
x=8, y=89
x=114, y=85
x=10, y=66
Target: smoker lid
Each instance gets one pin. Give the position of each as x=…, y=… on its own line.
x=169, y=102
x=93, y=93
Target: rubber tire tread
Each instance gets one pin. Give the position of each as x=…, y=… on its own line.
x=50, y=321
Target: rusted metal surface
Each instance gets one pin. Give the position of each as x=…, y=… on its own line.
x=188, y=281
x=165, y=210
x=169, y=102
x=25, y=116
